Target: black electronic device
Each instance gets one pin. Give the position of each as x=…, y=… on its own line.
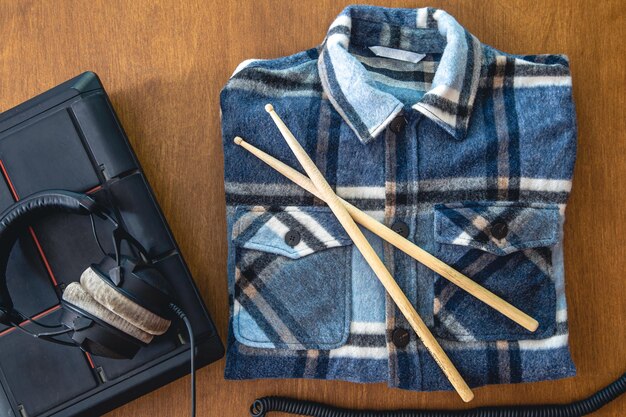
x=65, y=152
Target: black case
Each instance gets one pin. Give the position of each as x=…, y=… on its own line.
x=70, y=138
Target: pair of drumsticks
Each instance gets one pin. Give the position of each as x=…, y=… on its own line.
x=347, y=215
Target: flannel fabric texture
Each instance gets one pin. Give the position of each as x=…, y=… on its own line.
x=467, y=150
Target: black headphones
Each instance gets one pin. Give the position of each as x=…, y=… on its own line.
x=120, y=304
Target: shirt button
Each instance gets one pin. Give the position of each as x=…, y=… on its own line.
x=292, y=238
x=400, y=228
x=400, y=337
x=398, y=124
x=499, y=230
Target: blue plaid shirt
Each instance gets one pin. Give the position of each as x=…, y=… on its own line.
x=466, y=150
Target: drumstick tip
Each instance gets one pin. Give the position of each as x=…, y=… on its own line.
x=467, y=395
x=238, y=140
x=269, y=108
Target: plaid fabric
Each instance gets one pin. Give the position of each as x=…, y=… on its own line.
x=528, y=225
x=269, y=310
x=471, y=148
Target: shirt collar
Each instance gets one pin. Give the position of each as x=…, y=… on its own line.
x=367, y=109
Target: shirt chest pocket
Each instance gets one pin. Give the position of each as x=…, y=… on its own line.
x=507, y=248
x=292, y=279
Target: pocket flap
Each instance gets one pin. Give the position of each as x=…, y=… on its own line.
x=498, y=227
x=290, y=231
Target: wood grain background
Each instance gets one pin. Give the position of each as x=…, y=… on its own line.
x=164, y=63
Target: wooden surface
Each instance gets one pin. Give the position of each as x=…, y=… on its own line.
x=164, y=63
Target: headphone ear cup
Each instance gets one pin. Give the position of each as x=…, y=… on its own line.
x=118, y=304
x=96, y=337
x=76, y=295
x=153, y=277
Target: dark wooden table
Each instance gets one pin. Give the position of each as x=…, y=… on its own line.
x=164, y=63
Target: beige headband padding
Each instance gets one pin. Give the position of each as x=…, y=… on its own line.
x=75, y=294
x=127, y=309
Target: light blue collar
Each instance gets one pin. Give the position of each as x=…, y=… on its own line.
x=367, y=109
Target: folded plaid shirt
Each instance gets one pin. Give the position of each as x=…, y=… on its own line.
x=465, y=150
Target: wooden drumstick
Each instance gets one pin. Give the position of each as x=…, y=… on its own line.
x=373, y=260
x=401, y=243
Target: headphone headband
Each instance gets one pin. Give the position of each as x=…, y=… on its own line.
x=88, y=331
x=21, y=214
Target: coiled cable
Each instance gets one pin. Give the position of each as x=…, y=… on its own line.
x=262, y=406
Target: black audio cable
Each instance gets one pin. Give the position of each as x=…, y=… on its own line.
x=32, y=320
x=262, y=406
x=192, y=345
x=177, y=310
x=95, y=235
x=48, y=336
